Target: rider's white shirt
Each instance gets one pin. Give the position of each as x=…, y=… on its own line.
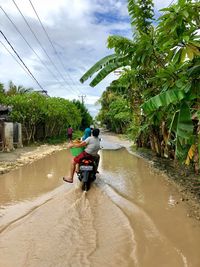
x=93, y=145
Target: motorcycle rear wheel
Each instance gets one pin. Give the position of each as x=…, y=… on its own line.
x=86, y=186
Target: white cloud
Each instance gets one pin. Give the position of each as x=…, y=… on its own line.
x=78, y=30
x=162, y=3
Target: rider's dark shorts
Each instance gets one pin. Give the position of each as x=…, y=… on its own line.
x=84, y=154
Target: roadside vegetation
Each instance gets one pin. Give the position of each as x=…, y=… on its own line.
x=156, y=99
x=43, y=118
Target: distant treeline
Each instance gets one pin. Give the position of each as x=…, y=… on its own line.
x=42, y=116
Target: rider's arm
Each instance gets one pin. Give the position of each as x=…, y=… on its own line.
x=83, y=143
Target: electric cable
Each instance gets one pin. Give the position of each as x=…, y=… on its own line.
x=22, y=61
x=50, y=41
x=171, y=3
x=41, y=44
x=16, y=28
x=15, y=59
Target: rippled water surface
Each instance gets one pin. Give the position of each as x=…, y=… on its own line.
x=130, y=217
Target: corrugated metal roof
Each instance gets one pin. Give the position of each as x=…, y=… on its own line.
x=5, y=108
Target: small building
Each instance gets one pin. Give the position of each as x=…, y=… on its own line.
x=10, y=133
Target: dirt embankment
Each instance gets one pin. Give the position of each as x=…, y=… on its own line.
x=26, y=155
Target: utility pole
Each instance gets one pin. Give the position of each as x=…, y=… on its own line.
x=82, y=98
x=118, y=72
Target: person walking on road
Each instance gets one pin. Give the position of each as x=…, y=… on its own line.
x=69, y=133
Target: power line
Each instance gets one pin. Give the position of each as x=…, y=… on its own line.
x=21, y=61
x=43, y=91
x=41, y=44
x=15, y=59
x=29, y=44
x=171, y=3
x=48, y=37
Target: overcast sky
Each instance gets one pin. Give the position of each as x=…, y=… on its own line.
x=78, y=31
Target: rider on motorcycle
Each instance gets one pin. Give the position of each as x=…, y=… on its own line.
x=92, y=145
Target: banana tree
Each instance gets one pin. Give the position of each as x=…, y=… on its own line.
x=112, y=62
x=178, y=38
x=164, y=64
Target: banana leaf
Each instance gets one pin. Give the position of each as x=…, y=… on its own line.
x=194, y=70
x=181, y=150
x=174, y=123
x=163, y=99
x=97, y=66
x=105, y=71
x=182, y=126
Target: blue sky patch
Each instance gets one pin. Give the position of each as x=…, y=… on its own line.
x=109, y=18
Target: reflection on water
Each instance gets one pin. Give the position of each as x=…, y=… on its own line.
x=130, y=217
x=34, y=179
x=171, y=201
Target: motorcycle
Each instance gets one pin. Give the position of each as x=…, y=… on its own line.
x=87, y=172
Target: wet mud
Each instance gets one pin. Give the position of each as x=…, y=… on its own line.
x=132, y=216
x=180, y=175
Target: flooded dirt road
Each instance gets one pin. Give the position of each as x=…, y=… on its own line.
x=130, y=217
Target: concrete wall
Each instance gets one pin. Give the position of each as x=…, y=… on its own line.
x=10, y=142
x=1, y=135
x=20, y=135
x=8, y=136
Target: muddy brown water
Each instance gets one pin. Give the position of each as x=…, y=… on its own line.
x=130, y=217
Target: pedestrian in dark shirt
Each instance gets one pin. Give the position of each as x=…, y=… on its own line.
x=69, y=133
